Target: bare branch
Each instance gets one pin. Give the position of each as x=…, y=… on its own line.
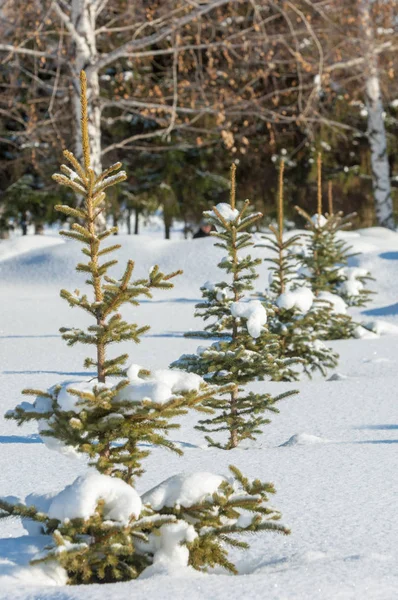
x=160, y=35
x=26, y=51
x=79, y=40
x=357, y=62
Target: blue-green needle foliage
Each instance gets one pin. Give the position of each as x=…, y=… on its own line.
x=241, y=355
x=297, y=327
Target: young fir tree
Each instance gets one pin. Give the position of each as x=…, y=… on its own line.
x=102, y=530
x=297, y=312
x=246, y=351
x=324, y=261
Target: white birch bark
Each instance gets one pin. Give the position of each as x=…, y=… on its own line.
x=83, y=17
x=376, y=129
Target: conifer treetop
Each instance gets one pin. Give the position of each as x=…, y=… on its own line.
x=109, y=294
x=326, y=259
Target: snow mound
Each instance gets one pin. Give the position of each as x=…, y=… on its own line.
x=43, y=405
x=301, y=298
x=304, y=439
x=69, y=402
x=338, y=306
x=183, y=489
x=160, y=386
x=209, y=286
x=170, y=553
x=79, y=500
x=352, y=286
x=46, y=574
x=26, y=243
x=255, y=314
x=227, y=213
x=319, y=220
x=338, y=377
x=380, y=233
x=382, y=327
x=361, y=333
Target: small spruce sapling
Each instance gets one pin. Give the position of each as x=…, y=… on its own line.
x=102, y=530
x=246, y=351
x=297, y=311
x=326, y=262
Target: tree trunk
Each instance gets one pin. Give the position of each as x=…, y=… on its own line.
x=115, y=222
x=167, y=228
x=233, y=435
x=83, y=17
x=376, y=129
x=137, y=221
x=129, y=221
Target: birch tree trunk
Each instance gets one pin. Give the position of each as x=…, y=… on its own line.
x=376, y=128
x=83, y=17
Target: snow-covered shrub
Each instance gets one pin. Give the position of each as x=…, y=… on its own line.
x=215, y=508
x=246, y=350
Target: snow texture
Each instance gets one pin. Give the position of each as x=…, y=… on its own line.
x=184, y=489
x=318, y=220
x=255, y=314
x=361, y=333
x=348, y=547
x=160, y=387
x=31, y=244
x=228, y=214
x=44, y=405
x=170, y=553
x=80, y=499
x=301, y=298
x=338, y=306
x=382, y=327
x=69, y=402
x=303, y=439
x=352, y=286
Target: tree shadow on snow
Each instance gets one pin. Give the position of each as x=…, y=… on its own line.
x=382, y=311
x=19, y=551
x=389, y=255
x=20, y=439
x=25, y=337
x=171, y=301
x=167, y=334
x=378, y=427
x=66, y=373
x=375, y=442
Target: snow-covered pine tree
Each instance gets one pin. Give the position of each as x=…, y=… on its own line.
x=327, y=258
x=246, y=351
x=324, y=260
x=102, y=530
x=297, y=312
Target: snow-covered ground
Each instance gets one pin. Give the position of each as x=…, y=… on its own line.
x=332, y=452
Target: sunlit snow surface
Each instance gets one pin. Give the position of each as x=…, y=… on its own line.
x=337, y=484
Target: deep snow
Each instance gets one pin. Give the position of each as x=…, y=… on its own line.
x=336, y=480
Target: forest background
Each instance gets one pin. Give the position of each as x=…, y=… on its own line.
x=179, y=89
